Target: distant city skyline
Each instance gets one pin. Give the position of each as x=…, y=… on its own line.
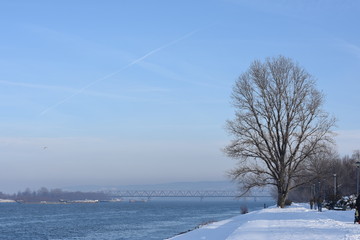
x=138, y=92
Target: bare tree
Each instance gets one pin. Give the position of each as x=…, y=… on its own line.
x=318, y=172
x=320, y=164
x=279, y=123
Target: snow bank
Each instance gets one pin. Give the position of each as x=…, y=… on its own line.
x=6, y=201
x=295, y=222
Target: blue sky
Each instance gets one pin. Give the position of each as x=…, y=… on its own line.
x=135, y=92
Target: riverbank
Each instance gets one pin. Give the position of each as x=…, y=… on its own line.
x=294, y=222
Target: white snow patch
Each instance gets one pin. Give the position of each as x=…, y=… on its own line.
x=295, y=222
x=217, y=224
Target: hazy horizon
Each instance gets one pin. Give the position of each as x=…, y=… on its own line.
x=175, y=186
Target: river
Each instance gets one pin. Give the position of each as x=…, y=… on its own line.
x=121, y=220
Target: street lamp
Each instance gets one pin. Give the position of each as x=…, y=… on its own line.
x=314, y=189
x=334, y=185
x=357, y=177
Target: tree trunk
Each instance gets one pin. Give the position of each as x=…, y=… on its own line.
x=282, y=195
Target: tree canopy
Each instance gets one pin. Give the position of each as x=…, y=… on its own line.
x=279, y=124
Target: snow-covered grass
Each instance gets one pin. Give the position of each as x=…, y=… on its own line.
x=296, y=222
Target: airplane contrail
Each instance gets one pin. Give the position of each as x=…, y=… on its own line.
x=118, y=71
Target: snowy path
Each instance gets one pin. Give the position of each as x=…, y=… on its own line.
x=296, y=222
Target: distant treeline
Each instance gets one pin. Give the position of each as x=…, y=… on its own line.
x=332, y=177
x=53, y=195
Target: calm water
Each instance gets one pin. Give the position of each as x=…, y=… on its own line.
x=135, y=221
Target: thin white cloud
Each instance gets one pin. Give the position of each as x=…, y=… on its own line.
x=350, y=48
x=353, y=49
x=174, y=76
x=81, y=90
x=34, y=85
x=348, y=141
x=75, y=42
x=86, y=92
x=296, y=8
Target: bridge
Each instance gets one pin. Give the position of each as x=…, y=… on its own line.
x=181, y=194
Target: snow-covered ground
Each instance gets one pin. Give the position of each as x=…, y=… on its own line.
x=296, y=222
x=6, y=201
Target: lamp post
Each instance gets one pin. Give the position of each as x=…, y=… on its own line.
x=334, y=185
x=314, y=189
x=357, y=177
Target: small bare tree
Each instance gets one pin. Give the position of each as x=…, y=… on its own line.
x=279, y=123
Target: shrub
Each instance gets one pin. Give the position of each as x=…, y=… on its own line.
x=288, y=202
x=244, y=210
